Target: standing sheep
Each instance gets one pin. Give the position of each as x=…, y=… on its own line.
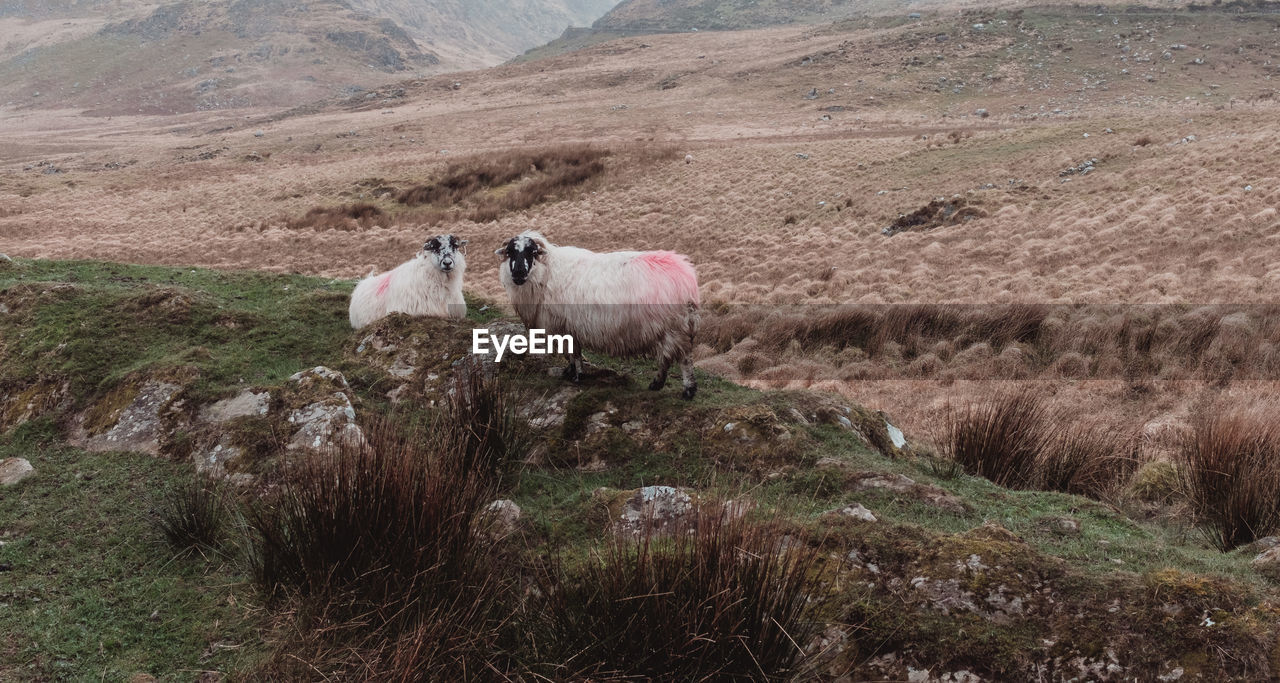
x=429, y=284
x=622, y=303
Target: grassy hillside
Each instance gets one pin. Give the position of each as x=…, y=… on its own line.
x=955, y=573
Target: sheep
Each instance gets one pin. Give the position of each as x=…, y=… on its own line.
x=429, y=284
x=622, y=303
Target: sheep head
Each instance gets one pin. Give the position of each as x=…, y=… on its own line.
x=445, y=251
x=521, y=253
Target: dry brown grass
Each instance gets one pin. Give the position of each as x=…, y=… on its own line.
x=484, y=187
x=351, y=217
x=1019, y=440
x=1230, y=470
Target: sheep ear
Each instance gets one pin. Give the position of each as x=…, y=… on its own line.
x=541, y=245
x=462, y=243
x=500, y=251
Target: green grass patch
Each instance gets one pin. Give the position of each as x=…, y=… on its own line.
x=89, y=590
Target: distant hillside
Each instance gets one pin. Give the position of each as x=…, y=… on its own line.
x=476, y=33
x=133, y=56
x=721, y=15
x=194, y=56
x=638, y=17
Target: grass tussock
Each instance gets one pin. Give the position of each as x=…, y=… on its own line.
x=194, y=515
x=347, y=218
x=1229, y=467
x=484, y=187
x=718, y=599
x=1091, y=459
x=381, y=547
x=1016, y=440
x=1000, y=439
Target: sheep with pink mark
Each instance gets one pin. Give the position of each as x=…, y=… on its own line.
x=430, y=284
x=620, y=303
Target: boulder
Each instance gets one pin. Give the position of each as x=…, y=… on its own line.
x=856, y=511
x=329, y=419
x=138, y=427
x=248, y=403
x=655, y=507
x=325, y=424
x=14, y=470
x=503, y=516
x=1267, y=563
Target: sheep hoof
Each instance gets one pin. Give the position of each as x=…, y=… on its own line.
x=688, y=392
x=656, y=385
x=571, y=374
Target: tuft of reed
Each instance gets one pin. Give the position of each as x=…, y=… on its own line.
x=713, y=598
x=1229, y=466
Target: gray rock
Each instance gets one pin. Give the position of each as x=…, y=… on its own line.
x=1267, y=542
x=138, y=428
x=504, y=517
x=812, y=94
x=656, y=507
x=319, y=373
x=14, y=470
x=247, y=403
x=599, y=421
x=214, y=461
x=325, y=424
x=732, y=510
x=856, y=511
x=897, y=483
x=1066, y=526
x=896, y=436
x=549, y=412
x=1267, y=563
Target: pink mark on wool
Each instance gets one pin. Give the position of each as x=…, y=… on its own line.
x=673, y=267
x=383, y=284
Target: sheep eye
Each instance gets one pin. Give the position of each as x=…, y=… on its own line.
x=433, y=245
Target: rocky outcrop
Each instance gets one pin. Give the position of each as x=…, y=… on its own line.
x=325, y=423
x=137, y=426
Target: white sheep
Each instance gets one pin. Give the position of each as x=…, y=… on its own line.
x=430, y=284
x=622, y=303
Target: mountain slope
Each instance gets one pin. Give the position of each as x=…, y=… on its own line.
x=684, y=15
x=133, y=56
x=476, y=33
x=191, y=56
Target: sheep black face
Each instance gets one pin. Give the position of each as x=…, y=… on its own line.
x=520, y=253
x=446, y=251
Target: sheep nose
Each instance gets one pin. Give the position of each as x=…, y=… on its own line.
x=447, y=263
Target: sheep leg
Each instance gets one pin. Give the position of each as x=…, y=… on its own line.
x=660, y=380
x=686, y=374
x=573, y=373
